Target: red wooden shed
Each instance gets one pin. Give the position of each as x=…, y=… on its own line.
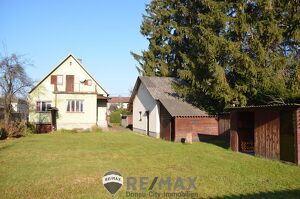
x=271, y=131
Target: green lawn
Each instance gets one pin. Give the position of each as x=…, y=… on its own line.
x=71, y=165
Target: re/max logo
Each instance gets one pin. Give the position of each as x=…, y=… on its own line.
x=146, y=183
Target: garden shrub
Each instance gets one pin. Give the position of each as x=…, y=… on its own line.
x=3, y=133
x=115, y=116
x=16, y=129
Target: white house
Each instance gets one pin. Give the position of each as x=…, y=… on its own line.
x=68, y=97
x=157, y=111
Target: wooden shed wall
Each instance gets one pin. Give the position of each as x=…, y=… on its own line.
x=270, y=127
x=267, y=134
x=233, y=131
x=224, y=125
x=195, y=126
x=297, y=135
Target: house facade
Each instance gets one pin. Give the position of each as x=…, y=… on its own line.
x=158, y=112
x=67, y=98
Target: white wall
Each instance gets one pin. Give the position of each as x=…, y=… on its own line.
x=101, y=106
x=143, y=102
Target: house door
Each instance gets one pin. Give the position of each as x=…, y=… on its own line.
x=53, y=118
x=70, y=83
x=147, y=114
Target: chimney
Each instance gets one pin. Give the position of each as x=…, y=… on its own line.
x=80, y=60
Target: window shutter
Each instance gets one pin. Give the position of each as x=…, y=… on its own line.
x=37, y=106
x=69, y=83
x=53, y=79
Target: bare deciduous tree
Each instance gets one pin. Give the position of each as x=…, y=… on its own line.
x=14, y=82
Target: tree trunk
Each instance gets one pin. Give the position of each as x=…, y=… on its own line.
x=7, y=111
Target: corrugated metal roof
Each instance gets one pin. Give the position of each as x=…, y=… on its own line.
x=161, y=89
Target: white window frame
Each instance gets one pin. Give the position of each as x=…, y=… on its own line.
x=74, y=106
x=47, y=105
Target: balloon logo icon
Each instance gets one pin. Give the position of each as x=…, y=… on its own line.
x=112, y=181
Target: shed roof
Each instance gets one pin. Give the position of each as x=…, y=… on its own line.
x=161, y=89
x=264, y=106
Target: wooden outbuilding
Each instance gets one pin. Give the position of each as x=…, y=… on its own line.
x=270, y=131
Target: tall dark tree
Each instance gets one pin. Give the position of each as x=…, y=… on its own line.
x=228, y=52
x=14, y=82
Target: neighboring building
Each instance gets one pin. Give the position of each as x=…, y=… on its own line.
x=158, y=112
x=117, y=102
x=68, y=97
x=270, y=131
x=19, y=108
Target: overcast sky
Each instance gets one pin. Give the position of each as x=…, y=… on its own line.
x=101, y=33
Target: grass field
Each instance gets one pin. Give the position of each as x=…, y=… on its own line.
x=71, y=165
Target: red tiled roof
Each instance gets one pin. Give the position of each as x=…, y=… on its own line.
x=119, y=100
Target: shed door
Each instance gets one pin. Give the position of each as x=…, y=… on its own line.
x=70, y=83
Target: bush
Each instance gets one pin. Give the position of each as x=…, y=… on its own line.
x=30, y=129
x=16, y=129
x=115, y=116
x=3, y=133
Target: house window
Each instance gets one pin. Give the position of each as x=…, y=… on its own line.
x=59, y=79
x=88, y=82
x=140, y=118
x=43, y=106
x=75, y=106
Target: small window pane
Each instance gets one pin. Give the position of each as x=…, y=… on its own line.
x=81, y=106
x=68, y=106
x=43, y=106
x=48, y=106
x=59, y=79
x=77, y=106
x=72, y=106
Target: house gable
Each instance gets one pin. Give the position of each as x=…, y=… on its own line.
x=71, y=66
x=145, y=108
